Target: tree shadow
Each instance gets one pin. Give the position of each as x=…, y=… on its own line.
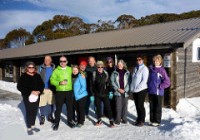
x=92, y=116
x=21, y=106
x=168, y=125
x=92, y=111
x=22, y=109
x=131, y=118
x=198, y=117
x=63, y=116
x=105, y=123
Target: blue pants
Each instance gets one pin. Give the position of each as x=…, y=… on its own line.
x=46, y=110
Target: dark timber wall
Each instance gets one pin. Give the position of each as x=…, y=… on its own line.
x=187, y=74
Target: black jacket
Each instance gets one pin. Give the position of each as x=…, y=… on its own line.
x=28, y=83
x=101, y=84
x=89, y=70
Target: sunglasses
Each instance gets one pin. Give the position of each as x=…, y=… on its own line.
x=62, y=61
x=31, y=67
x=139, y=59
x=100, y=67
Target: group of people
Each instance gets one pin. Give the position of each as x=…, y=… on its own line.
x=105, y=85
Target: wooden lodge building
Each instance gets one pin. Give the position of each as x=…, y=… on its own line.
x=178, y=42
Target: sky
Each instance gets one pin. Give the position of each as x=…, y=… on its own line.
x=30, y=13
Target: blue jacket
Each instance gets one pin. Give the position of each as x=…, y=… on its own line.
x=158, y=80
x=80, y=87
x=115, y=82
x=139, y=79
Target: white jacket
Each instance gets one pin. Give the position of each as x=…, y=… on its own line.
x=139, y=79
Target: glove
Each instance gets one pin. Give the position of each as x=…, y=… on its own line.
x=92, y=99
x=110, y=95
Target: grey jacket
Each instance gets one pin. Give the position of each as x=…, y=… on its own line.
x=42, y=71
x=115, y=82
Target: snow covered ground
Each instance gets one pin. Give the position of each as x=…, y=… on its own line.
x=9, y=86
x=183, y=124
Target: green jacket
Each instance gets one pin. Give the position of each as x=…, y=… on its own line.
x=59, y=75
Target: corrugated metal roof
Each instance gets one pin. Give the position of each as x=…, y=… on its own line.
x=164, y=33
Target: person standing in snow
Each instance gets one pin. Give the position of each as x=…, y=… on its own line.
x=158, y=81
x=46, y=98
x=139, y=88
x=80, y=92
x=89, y=70
x=31, y=85
x=110, y=67
x=120, y=80
x=101, y=86
x=75, y=72
x=61, y=78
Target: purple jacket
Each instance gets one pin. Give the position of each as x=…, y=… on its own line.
x=158, y=80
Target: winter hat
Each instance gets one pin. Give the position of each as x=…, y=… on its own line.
x=28, y=64
x=83, y=63
x=100, y=63
x=33, y=98
x=109, y=59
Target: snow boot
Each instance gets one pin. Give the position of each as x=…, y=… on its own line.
x=42, y=119
x=79, y=125
x=117, y=122
x=29, y=131
x=35, y=129
x=140, y=124
x=112, y=124
x=50, y=118
x=55, y=126
x=72, y=124
x=99, y=122
x=124, y=121
x=155, y=124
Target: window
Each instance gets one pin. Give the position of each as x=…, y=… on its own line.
x=198, y=53
x=9, y=71
x=196, y=50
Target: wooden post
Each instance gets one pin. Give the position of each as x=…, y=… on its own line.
x=17, y=73
x=1, y=73
x=173, y=93
x=14, y=73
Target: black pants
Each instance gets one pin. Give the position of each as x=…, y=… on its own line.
x=31, y=112
x=74, y=109
x=139, y=99
x=87, y=107
x=155, y=102
x=62, y=97
x=113, y=108
x=80, y=110
x=106, y=103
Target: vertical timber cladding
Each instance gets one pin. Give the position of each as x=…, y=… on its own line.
x=1, y=72
x=173, y=93
x=188, y=74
